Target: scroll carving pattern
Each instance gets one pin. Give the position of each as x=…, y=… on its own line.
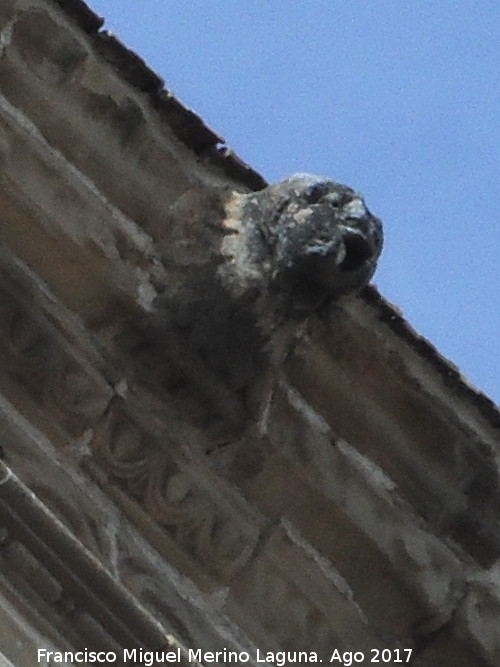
x=36, y=360
x=146, y=469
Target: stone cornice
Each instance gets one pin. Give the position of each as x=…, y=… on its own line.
x=171, y=475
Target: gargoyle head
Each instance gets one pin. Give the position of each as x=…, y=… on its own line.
x=304, y=240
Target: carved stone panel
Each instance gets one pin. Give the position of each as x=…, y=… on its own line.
x=294, y=600
x=38, y=365
x=148, y=468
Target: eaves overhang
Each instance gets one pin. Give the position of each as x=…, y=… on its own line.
x=165, y=469
x=191, y=130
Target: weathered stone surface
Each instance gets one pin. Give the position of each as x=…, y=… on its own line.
x=240, y=471
x=301, y=242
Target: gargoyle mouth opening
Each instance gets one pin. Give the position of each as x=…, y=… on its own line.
x=358, y=251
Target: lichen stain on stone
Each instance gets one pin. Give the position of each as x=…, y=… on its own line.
x=244, y=272
x=299, y=242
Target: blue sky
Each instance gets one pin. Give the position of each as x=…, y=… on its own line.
x=400, y=100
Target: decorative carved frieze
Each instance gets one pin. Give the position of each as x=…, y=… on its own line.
x=173, y=442
x=36, y=359
x=296, y=601
x=150, y=468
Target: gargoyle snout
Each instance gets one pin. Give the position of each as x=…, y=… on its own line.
x=357, y=249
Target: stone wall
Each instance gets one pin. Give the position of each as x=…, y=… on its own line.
x=142, y=504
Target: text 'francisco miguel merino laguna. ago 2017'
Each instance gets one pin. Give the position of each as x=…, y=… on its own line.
x=196, y=656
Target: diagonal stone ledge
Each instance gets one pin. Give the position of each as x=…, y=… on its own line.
x=301, y=486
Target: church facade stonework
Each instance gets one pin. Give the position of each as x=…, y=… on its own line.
x=218, y=443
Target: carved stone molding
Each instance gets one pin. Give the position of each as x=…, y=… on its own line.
x=206, y=435
x=37, y=361
x=150, y=469
x=297, y=601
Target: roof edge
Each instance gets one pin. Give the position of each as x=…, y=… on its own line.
x=187, y=126
x=191, y=130
x=392, y=317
